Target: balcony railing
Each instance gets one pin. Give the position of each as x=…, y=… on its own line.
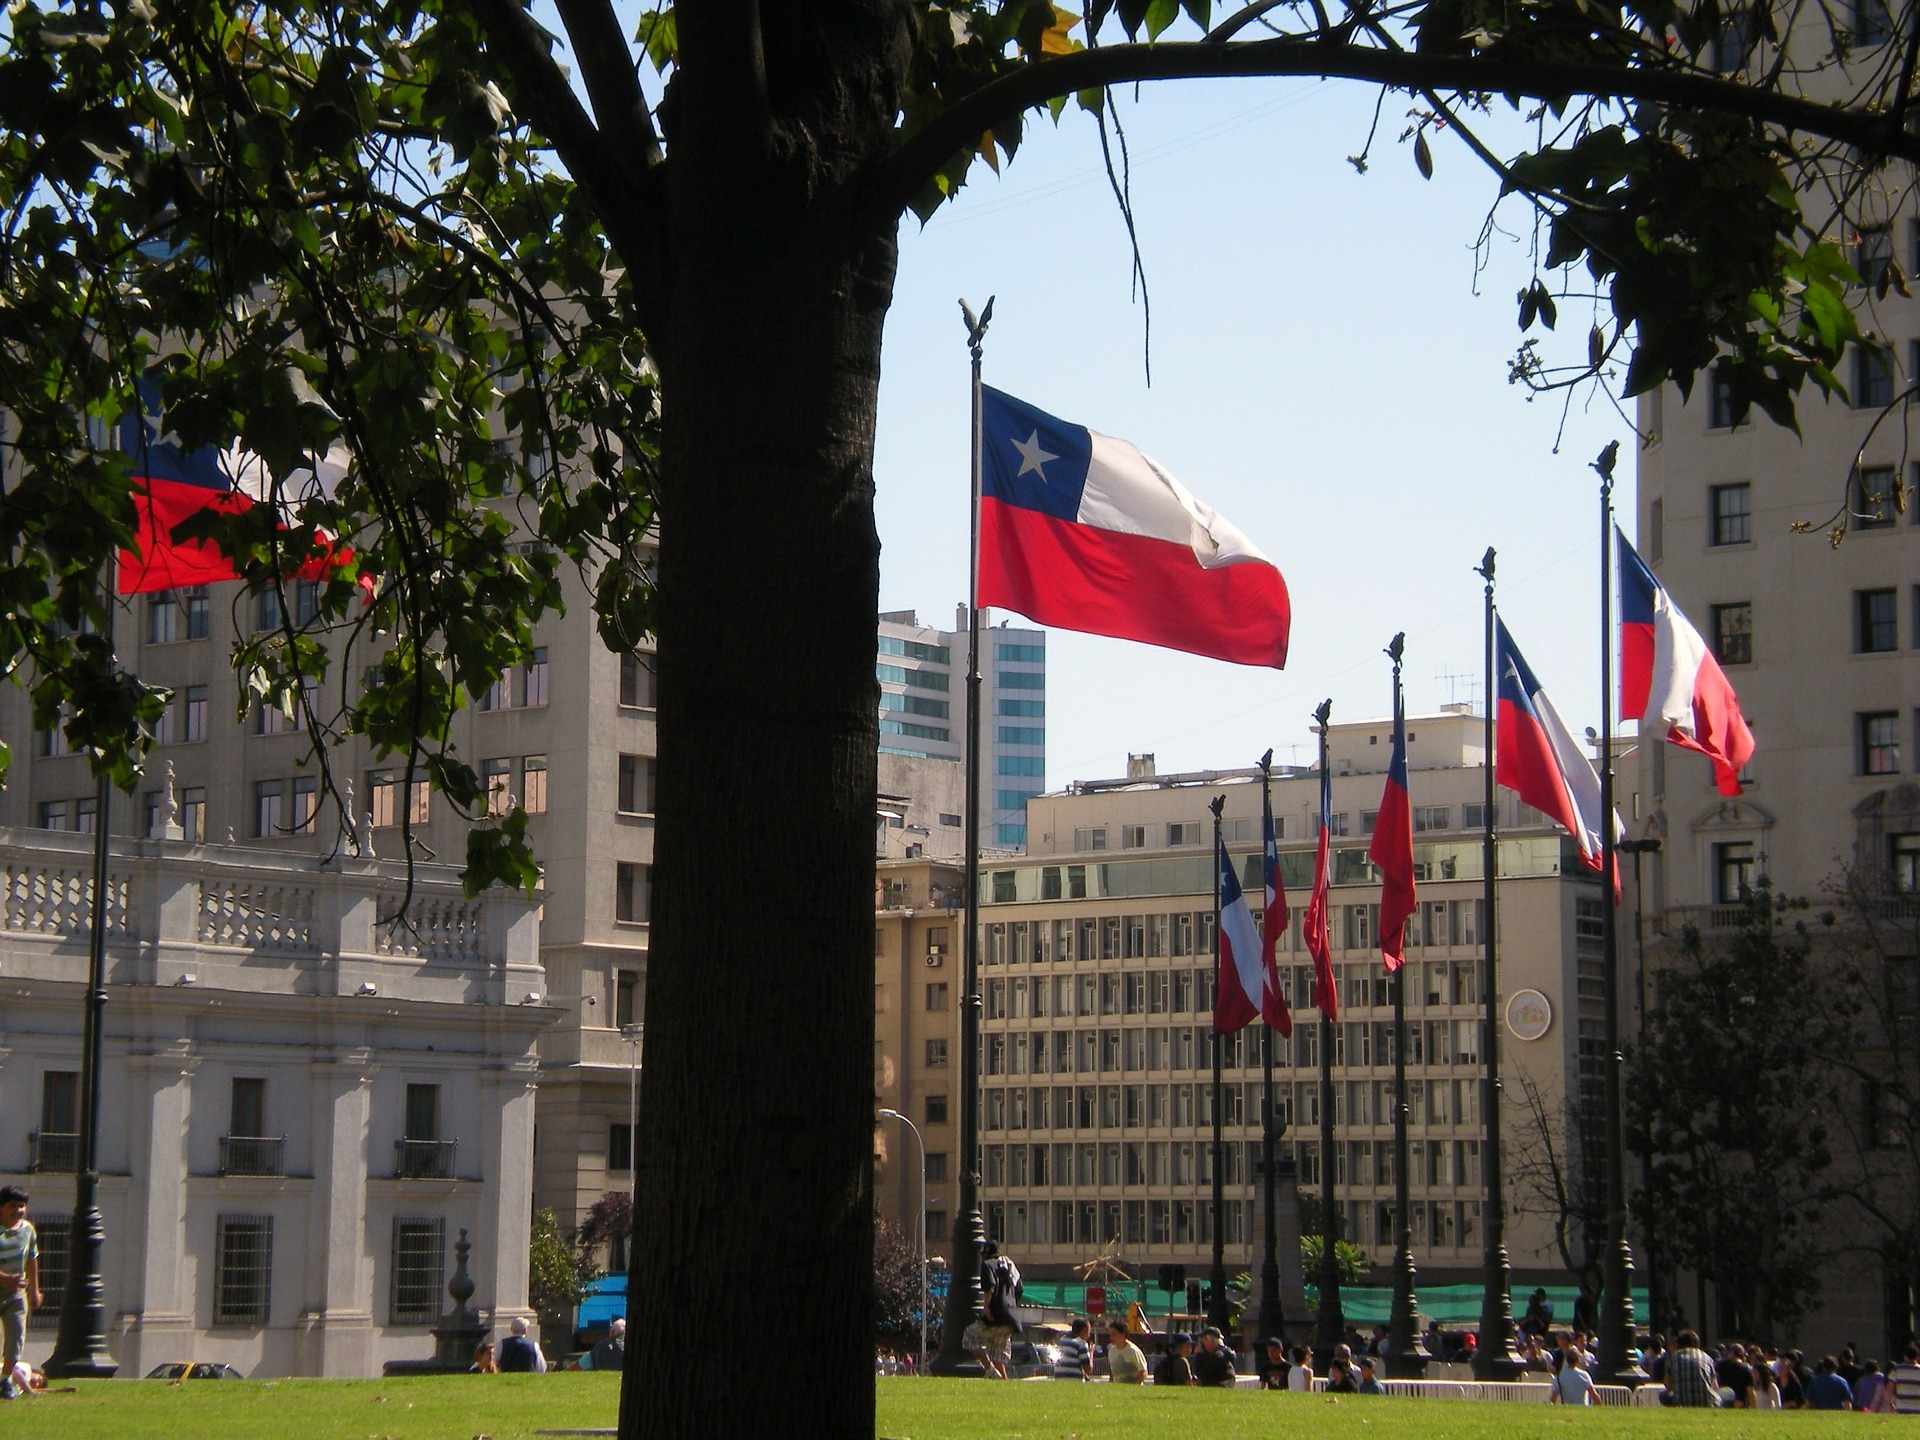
x=423, y=1159
x=49, y=1153
x=253, y=1154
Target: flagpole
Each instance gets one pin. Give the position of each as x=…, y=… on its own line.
x=1494, y=1358
x=1617, y=1366
x=969, y=1231
x=1273, y=1321
x=1331, y=1330
x=1217, y=1276
x=1407, y=1357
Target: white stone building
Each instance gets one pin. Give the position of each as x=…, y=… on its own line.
x=301, y=1107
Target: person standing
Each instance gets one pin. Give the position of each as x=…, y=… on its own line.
x=999, y=1303
x=1213, y=1365
x=1689, y=1378
x=1125, y=1362
x=19, y=1282
x=1369, y=1381
x=518, y=1355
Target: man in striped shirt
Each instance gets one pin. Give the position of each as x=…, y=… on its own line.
x=19, y=1281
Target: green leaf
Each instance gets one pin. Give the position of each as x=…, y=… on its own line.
x=658, y=33
x=1422, y=155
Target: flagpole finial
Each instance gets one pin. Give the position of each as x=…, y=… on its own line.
x=1216, y=805
x=1604, y=464
x=1266, y=761
x=1397, y=647
x=1485, y=568
x=977, y=325
x=1322, y=711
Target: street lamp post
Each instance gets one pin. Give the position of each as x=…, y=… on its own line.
x=635, y=1035
x=921, y=1246
x=1656, y=1312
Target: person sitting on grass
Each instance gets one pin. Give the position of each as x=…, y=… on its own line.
x=1369, y=1381
x=1177, y=1367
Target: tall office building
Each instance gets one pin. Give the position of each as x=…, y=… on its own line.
x=1097, y=1043
x=923, y=696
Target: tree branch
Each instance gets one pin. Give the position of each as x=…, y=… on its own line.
x=625, y=201
x=960, y=127
x=607, y=66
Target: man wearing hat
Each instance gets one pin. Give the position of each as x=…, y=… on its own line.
x=1213, y=1365
x=1177, y=1367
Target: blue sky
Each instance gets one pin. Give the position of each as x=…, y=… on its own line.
x=1327, y=372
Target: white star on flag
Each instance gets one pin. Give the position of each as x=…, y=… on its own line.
x=1033, y=458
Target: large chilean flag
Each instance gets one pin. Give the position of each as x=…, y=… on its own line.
x=1392, y=851
x=1084, y=532
x=171, y=485
x=1669, y=679
x=1537, y=757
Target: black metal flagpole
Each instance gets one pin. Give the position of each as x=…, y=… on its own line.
x=1617, y=1365
x=1407, y=1355
x=1217, y=1313
x=1272, y=1320
x=969, y=1231
x=1331, y=1329
x=1494, y=1358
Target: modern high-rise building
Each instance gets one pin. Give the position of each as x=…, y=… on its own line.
x=923, y=697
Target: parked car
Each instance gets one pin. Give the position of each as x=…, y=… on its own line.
x=1030, y=1359
x=194, y=1370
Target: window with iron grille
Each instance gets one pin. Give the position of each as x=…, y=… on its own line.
x=419, y=1269
x=243, y=1272
x=53, y=1273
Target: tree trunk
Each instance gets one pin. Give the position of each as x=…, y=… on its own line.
x=751, y=1282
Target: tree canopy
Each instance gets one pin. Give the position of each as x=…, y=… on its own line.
x=561, y=305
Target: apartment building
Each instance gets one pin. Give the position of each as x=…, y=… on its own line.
x=302, y=1106
x=923, y=697
x=1098, y=1101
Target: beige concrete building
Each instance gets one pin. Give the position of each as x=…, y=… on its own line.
x=1822, y=642
x=1098, y=973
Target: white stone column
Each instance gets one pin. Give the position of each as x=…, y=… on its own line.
x=158, y=1308
x=339, y=1338
x=506, y=1195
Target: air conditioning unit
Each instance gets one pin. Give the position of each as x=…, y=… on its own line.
x=935, y=958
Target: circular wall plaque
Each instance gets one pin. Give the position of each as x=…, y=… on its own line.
x=1529, y=1014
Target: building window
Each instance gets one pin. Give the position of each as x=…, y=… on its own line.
x=1872, y=25
x=1022, y=709
x=243, y=1269
x=1183, y=833
x=1733, y=633
x=1878, y=742
x=1904, y=857
x=419, y=1261
x=1732, y=43
x=193, y=813
x=936, y=1167
x=1657, y=529
x=1873, y=497
x=1872, y=377
x=1022, y=735
x=195, y=603
x=936, y=1110
x=54, y=1248
x=1133, y=837
x=383, y=797
x=53, y=815
x=306, y=803
x=636, y=784
x=1021, y=765
x=626, y=998
x=247, y=1107
x=56, y=1146
x=269, y=798
x=1731, y=514
x=422, y=1116
x=1876, y=621
x=620, y=1148
x=1873, y=249
x=163, y=621
x=936, y=1054
x=1724, y=411
x=1432, y=817
x=533, y=686
x=637, y=681
x=533, y=785
x=497, y=779
x=1092, y=837
x=937, y=995
x=196, y=714
x=633, y=886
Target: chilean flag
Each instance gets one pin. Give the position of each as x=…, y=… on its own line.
x=1240, y=985
x=1084, y=532
x=1273, y=923
x=170, y=486
x=1326, y=995
x=1392, y=850
x=1670, y=680
x=1537, y=757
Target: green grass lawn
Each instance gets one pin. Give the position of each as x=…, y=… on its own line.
x=518, y=1407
